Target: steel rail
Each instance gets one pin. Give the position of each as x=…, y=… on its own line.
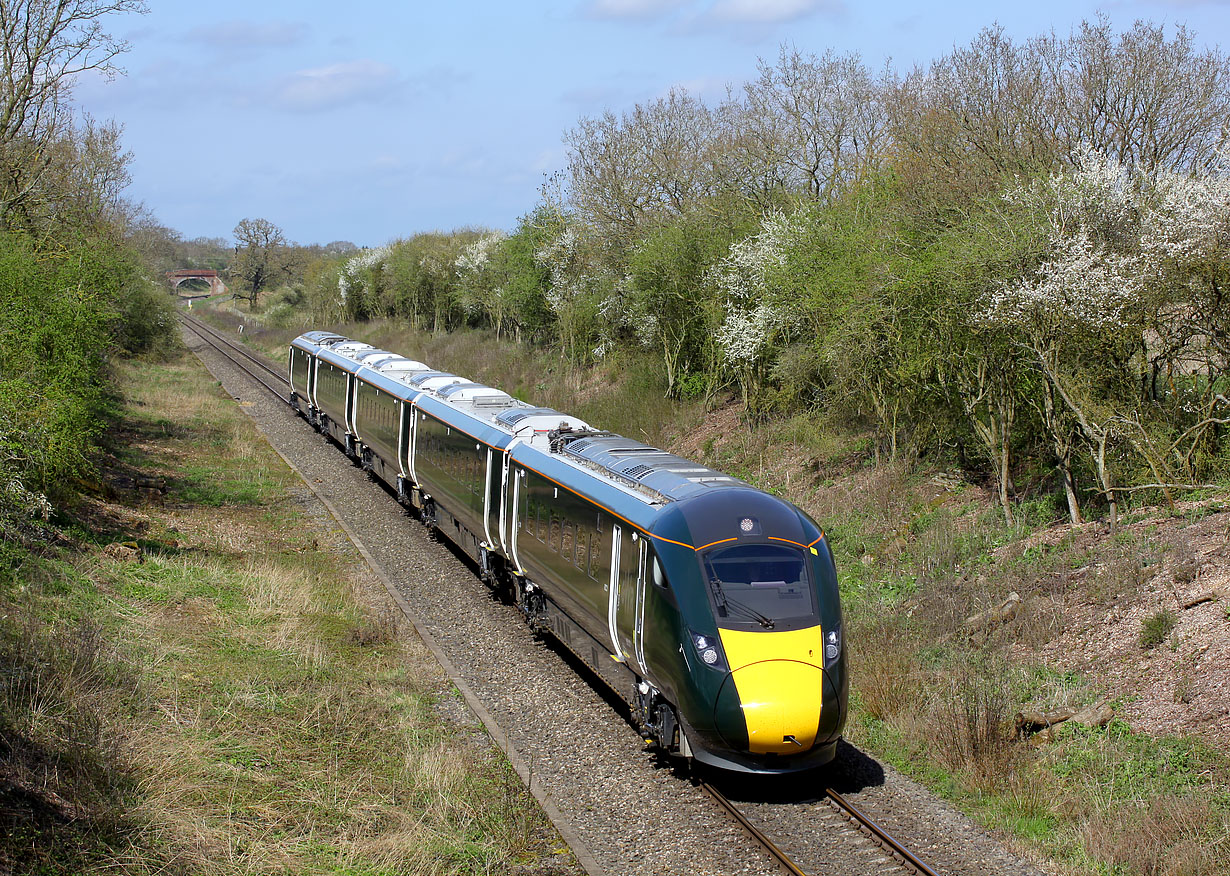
x=779, y=857
x=198, y=325
x=886, y=841
x=229, y=352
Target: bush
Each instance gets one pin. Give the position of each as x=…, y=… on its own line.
x=973, y=726
x=1156, y=627
x=63, y=313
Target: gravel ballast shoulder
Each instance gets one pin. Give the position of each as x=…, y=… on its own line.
x=622, y=810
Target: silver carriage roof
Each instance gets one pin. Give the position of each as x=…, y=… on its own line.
x=652, y=474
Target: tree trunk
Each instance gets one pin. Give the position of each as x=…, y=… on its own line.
x=1061, y=437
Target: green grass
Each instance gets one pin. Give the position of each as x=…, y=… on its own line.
x=1156, y=627
x=239, y=701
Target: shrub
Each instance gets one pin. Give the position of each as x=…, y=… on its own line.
x=1156, y=627
x=973, y=727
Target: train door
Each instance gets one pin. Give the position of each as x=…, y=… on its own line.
x=412, y=456
x=626, y=601
x=352, y=392
x=514, y=506
x=612, y=611
x=638, y=630
x=488, y=491
x=405, y=416
x=506, y=498
x=313, y=370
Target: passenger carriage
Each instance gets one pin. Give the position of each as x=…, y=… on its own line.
x=710, y=606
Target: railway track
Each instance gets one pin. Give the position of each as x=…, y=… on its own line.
x=253, y=364
x=865, y=826
x=871, y=835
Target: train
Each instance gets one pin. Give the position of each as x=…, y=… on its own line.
x=709, y=606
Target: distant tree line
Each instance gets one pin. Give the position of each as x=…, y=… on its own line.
x=1014, y=258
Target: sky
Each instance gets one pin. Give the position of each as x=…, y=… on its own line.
x=373, y=121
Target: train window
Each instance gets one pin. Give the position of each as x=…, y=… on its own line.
x=596, y=555
x=582, y=552
x=759, y=585
x=540, y=515
x=567, y=542
x=553, y=535
x=659, y=576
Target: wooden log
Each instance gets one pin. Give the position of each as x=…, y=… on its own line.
x=1098, y=715
x=1030, y=722
x=997, y=616
x=1208, y=596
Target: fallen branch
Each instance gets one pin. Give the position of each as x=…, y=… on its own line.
x=1029, y=722
x=995, y=616
x=1208, y=596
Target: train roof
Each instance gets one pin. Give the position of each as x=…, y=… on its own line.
x=654, y=474
x=312, y=341
x=650, y=474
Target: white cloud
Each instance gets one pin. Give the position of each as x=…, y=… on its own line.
x=769, y=11
x=248, y=34
x=349, y=82
x=639, y=10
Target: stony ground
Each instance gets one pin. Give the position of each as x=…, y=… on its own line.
x=1183, y=684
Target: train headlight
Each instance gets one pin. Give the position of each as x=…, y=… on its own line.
x=832, y=646
x=708, y=649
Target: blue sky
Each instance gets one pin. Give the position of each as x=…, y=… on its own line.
x=370, y=121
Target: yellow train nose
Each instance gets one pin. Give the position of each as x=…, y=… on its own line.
x=781, y=702
x=780, y=685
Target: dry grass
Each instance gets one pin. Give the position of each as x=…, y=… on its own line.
x=884, y=666
x=1166, y=836
x=283, y=721
x=971, y=712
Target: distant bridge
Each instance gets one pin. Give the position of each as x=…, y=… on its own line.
x=216, y=286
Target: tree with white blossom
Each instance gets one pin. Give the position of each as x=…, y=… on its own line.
x=750, y=319
x=359, y=282
x=1082, y=310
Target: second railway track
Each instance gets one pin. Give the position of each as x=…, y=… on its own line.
x=253, y=364
x=864, y=846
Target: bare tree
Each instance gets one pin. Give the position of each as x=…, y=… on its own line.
x=260, y=255
x=652, y=162
x=44, y=46
x=820, y=120
x=1145, y=100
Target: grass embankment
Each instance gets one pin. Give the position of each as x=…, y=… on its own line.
x=236, y=697
x=918, y=555
x=919, y=551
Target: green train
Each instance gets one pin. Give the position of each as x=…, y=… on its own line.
x=711, y=607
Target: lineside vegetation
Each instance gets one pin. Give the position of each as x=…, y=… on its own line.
x=1012, y=259
x=998, y=275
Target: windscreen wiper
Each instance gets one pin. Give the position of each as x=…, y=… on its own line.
x=726, y=603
